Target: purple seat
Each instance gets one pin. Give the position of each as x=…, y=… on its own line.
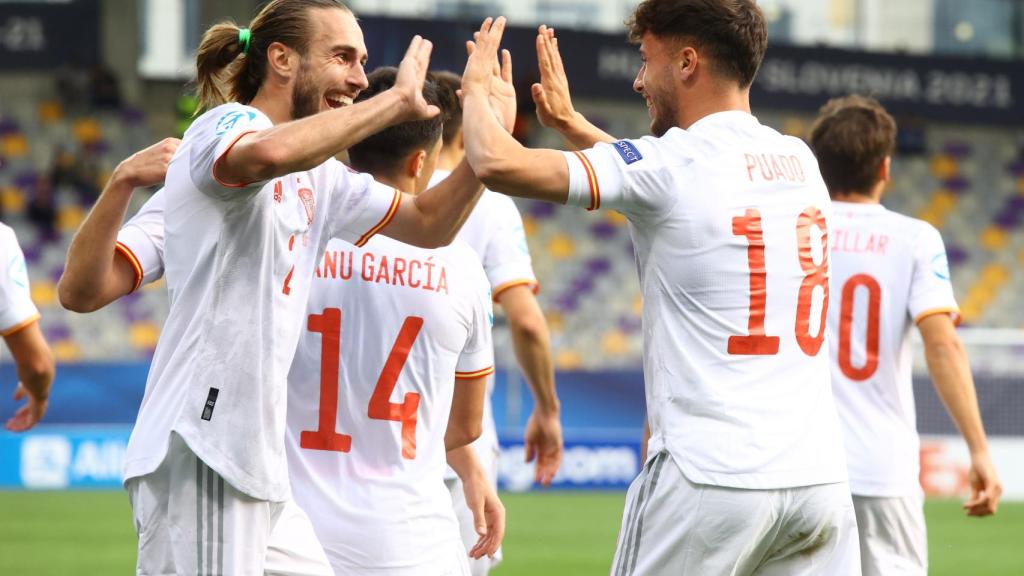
x=567, y=303
x=957, y=184
x=957, y=149
x=1016, y=167
x=956, y=255
x=604, y=230
x=541, y=210
x=8, y=126
x=583, y=284
x=57, y=332
x=26, y=180
x=1007, y=219
x=133, y=116
x=599, y=265
x=630, y=324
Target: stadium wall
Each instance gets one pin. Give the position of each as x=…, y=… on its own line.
x=83, y=442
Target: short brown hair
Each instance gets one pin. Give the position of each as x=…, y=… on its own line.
x=224, y=73
x=732, y=32
x=851, y=137
x=451, y=82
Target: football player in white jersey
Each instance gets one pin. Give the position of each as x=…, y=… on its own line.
x=890, y=273
x=367, y=434
x=19, y=326
x=745, y=473
x=251, y=188
x=494, y=230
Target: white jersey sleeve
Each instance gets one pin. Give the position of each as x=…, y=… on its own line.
x=506, y=257
x=141, y=241
x=611, y=176
x=477, y=357
x=358, y=207
x=211, y=140
x=16, y=308
x=930, y=290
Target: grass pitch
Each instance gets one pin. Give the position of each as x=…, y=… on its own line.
x=90, y=533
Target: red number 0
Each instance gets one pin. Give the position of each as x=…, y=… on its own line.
x=326, y=437
x=756, y=342
x=846, y=327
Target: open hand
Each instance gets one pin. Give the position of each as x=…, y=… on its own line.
x=412, y=72
x=551, y=94
x=28, y=415
x=484, y=73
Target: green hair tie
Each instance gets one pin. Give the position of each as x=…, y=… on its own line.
x=244, y=35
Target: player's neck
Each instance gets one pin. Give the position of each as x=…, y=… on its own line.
x=874, y=196
x=405, y=184
x=712, y=101
x=449, y=158
x=277, y=107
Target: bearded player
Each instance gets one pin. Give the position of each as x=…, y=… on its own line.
x=890, y=273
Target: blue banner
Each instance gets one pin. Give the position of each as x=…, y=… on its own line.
x=63, y=457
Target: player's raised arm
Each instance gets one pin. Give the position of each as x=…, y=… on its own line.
x=553, y=100
x=297, y=145
x=497, y=159
x=951, y=374
x=95, y=274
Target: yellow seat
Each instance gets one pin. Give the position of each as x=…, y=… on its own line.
x=943, y=201
x=87, y=131
x=1020, y=185
x=529, y=226
x=44, y=293
x=615, y=343
x=14, y=146
x=144, y=335
x=66, y=351
x=944, y=167
x=50, y=112
x=561, y=247
x=932, y=217
x=638, y=305
x=13, y=200
x=615, y=217
x=568, y=360
x=69, y=218
x=994, y=238
x=995, y=274
x=555, y=320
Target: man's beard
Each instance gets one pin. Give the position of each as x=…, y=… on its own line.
x=305, y=95
x=664, y=117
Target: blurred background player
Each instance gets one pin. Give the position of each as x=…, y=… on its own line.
x=367, y=454
x=235, y=233
x=19, y=325
x=745, y=473
x=494, y=230
x=890, y=273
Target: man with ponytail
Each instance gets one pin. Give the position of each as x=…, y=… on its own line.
x=252, y=195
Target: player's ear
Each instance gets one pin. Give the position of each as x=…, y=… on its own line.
x=687, y=63
x=883, y=170
x=281, y=60
x=417, y=160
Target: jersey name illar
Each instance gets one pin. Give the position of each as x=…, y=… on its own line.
x=390, y=329
x=16, y=308
x=238, y=277
x=729, y=221
x=889, y=271
x=494, y=230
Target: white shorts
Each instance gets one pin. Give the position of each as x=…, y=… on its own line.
x=451, y=560
x=190, y=521
x=488, y=456
x=893, y=539
x=673, y=526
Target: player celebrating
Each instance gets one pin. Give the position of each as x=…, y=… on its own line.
x=19, y=325
x=745, y=472
x=367, y=454
x=889, y=270
x=251, y=188
x=494, y=230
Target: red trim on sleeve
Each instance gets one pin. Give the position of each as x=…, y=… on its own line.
x=595, y=189
x=533, y=284
x=477, y=374
x=395, y=202
x=21, y=325
x=125, y=251
x=213, y=169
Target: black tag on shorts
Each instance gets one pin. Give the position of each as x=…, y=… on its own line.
x=211, y=401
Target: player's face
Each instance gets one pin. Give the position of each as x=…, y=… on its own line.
x=654, y=82
x=331, y=74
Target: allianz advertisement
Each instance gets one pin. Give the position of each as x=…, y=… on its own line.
x=54, y=458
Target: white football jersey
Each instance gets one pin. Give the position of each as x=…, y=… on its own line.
x=238, y=269
x=888, y=272
x=389, y=330
x=729, y=220
x=141, y=241
x=16, y=308
x=494, y=230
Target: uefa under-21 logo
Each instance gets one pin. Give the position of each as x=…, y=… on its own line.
x=940, y=266
x=232, y=119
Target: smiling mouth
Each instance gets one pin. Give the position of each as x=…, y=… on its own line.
x=338, y=101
